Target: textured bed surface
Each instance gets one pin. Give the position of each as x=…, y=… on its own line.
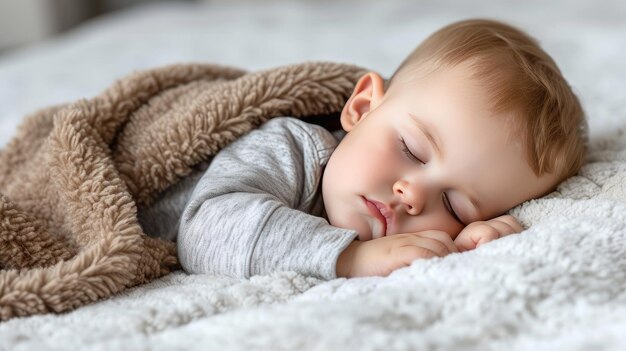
x=559, y=285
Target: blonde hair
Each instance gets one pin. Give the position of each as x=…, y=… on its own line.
x=520, y=78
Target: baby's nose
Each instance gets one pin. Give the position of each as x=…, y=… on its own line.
x=413, y=197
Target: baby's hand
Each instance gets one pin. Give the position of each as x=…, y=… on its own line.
x=480, y=232
x=383, y=255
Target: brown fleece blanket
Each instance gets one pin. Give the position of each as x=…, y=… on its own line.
x=72, y=178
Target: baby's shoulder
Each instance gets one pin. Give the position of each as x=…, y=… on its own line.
x=301, y=131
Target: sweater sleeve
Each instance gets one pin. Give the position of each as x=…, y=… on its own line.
x=248, y=213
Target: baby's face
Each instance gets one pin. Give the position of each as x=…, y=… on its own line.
x=388, y=165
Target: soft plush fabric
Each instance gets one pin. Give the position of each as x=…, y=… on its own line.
x=72, y=178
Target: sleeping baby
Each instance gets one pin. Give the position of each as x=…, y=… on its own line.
x=476, y=120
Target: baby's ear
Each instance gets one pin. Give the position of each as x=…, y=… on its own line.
x=367, y=94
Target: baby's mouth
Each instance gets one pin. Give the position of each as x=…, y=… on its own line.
x=375, y=212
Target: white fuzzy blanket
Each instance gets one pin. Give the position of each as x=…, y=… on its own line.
x=559, y=285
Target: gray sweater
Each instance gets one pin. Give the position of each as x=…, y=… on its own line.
x=256, y=208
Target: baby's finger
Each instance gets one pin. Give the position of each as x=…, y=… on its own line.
x=489, y=233
x=412, y=246
x=464, y=243
x=407, y=254
x=420, y=247
x=511, y=221
x=483, y=232
x=441, y=237
x=505, y=226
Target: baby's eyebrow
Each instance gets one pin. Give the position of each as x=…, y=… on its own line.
x=432, y=137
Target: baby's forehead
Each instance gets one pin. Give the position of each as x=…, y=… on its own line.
x=460, y=83
x=443, y=126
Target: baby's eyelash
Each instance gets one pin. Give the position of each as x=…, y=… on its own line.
x=407, y=152
x=448, y=206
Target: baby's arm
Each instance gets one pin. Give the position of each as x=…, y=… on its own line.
x=248, y=213
x=480, y=232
